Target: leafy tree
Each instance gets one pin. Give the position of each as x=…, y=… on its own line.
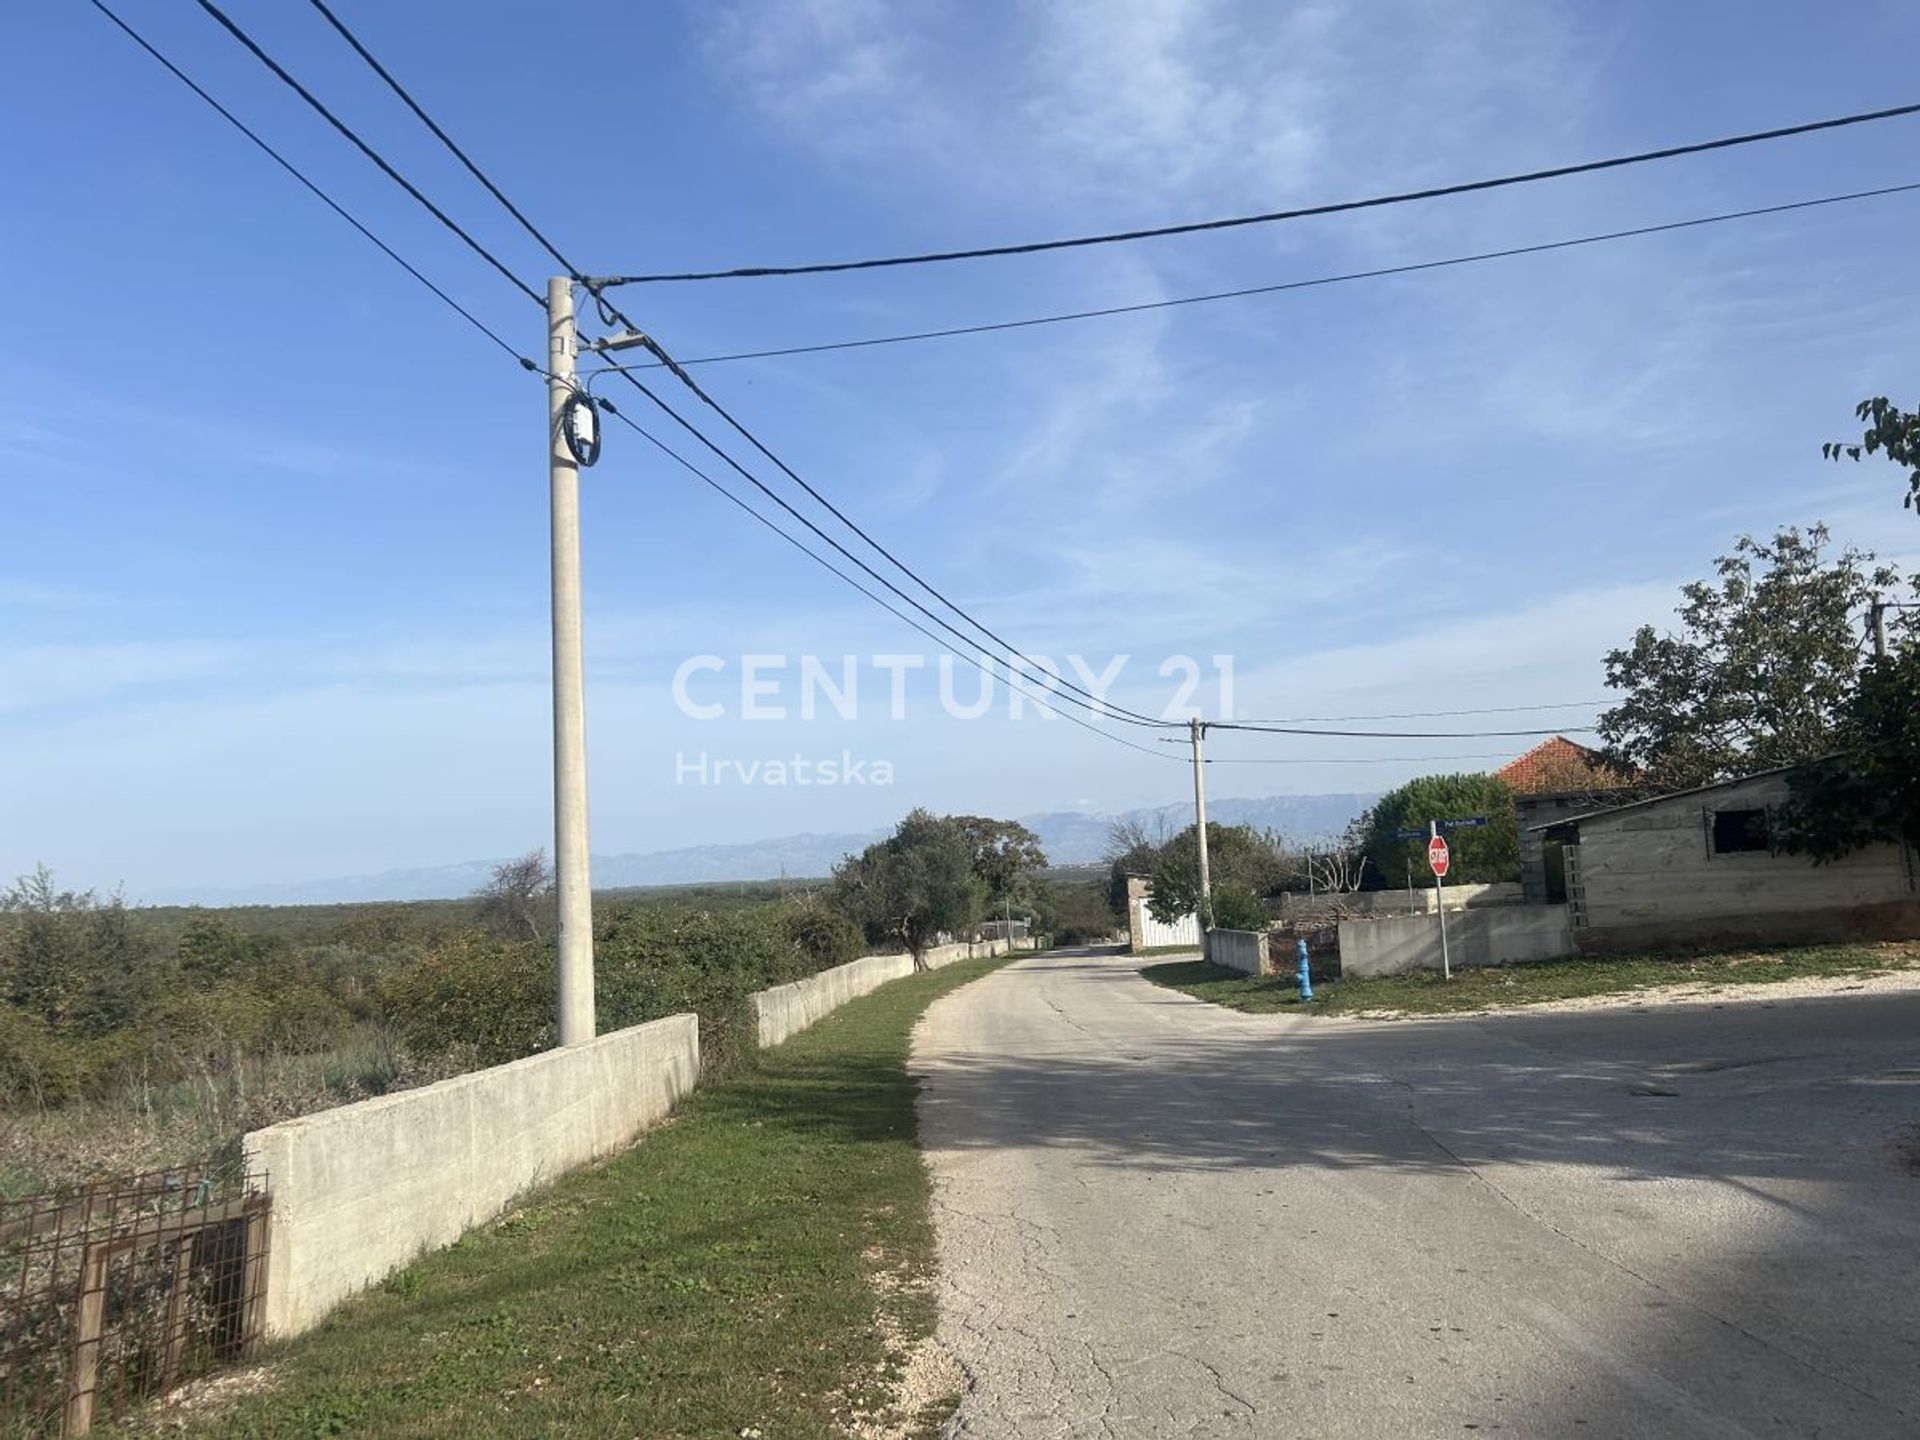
x=1869, y=791
x=1890, y=430
x=519, y=898
x=1130, y=851
x=1486, y=855
x=212, y=949
x=1003, y=854
x=911, y=886
x=74, y=960
x=1760, y=671
x=1236, y=855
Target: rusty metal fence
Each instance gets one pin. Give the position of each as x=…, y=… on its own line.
x=122, y=1289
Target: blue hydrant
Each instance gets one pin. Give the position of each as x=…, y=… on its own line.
x=1306, y=974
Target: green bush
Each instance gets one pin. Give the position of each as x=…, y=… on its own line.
x=37, y=1068
x=656, y=962
x=825, y=936
x=1236, y=907
x=474, y=999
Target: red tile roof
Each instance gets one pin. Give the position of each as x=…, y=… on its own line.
x=1556, y=764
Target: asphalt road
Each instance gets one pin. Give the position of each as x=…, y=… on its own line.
x=1160, y=1218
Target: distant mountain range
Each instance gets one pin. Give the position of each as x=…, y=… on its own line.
x=1070, y=837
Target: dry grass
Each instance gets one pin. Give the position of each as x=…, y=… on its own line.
x=196, y=1121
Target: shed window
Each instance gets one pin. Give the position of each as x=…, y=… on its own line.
x=1737, y=831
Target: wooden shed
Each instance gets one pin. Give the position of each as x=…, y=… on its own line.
x=1699, y=868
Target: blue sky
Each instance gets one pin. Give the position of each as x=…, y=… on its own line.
x=273, y=602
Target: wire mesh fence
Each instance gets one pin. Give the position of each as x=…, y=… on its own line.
x=121, y=1289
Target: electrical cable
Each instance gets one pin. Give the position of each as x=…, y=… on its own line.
x=1272, y=216
x=673, y=368
x=1348, y=759
x=1399, y=734
x=1431, y=714
x=614, y=315
x=326, y=199
x=1098, y=707
x=288, y=166
x=1103, y=312
x=444, y=138
x=1095, y=704
x=307, y=95
x=821, y=560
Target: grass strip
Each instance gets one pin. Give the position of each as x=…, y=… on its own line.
x=1507, y=986
x=759, y=1266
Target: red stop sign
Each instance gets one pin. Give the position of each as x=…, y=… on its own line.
x=1437, y=855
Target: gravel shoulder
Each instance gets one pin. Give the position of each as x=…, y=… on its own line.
x=1705, y=992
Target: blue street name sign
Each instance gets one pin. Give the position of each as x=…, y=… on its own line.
x=1465, y=822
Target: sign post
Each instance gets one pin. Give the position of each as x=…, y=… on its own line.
x=1440, y=860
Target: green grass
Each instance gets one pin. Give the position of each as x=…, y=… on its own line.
x=1502, y=987
x=738, y=1270
x=1152, y=950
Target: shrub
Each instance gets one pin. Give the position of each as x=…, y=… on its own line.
x=1236, y=907
x=657, y=962
x=825, y=936
x=36, y=1067
x=1073, y=914
x=474, y=999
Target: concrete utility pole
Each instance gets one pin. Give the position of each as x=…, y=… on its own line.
x=573, y=884
x=1198, y=728
x=1877, y=622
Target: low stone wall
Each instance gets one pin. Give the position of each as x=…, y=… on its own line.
x=362, y=1190
x=1242, y=950
x=1421, y=901
x=1501, y=935
x=786, y=1010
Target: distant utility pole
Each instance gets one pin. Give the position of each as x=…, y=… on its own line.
x=1198, y=729
x=573, y=884
x=1877, y=622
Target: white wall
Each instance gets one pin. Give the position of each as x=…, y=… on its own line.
x=786, y=1010
x=1503, y=935
x=1153, y=934
x=362, y=1190
x=1242, y=950
x=1398, y=902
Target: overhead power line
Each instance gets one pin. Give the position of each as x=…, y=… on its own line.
x=1397, y=734
x=1346, y=759
x=1382, y=272
x=1433, y=714
x=898, y=614
x=1131, y=717
x=280, y=71
x=375, y=156
x=444, y=138
x=324, y=198
x=1099, y=705
x=1269, y=217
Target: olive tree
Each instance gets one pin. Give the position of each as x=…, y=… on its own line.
x=919, y=881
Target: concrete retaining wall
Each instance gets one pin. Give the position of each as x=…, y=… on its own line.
x=1399, y=902
x=1242, y=950
x=786, y=1010
x=362, y=1190
x=1498, y=936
